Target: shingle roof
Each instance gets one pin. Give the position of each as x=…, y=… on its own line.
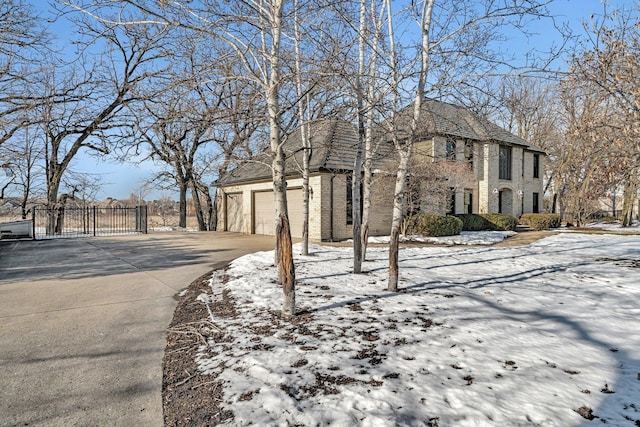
x=334, y=141
x=442, y=118
x=333, y=147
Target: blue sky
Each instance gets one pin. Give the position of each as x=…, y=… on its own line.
x=120, y=180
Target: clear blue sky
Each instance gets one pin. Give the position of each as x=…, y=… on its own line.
x=120, y=180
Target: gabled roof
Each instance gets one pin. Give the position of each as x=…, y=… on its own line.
x=333, y=148
x=444, y=119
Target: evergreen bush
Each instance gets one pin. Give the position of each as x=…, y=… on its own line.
x=434, y=225
x=540, y=221
x=480, y=222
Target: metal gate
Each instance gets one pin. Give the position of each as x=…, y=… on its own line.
x=51, y=223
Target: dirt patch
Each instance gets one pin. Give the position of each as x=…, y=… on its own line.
x=188, y=397
x=524, y=238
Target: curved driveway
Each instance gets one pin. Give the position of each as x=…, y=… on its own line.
x=82, y=322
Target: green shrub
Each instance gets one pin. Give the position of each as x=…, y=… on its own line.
x=473, y=222
x=540, y=221
x=434, y=225
x=479, y=222
x=501, y=222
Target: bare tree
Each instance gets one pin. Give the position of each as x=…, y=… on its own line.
x=610, y=63
x=86, y=106
x=23, y=43
x=24, y=153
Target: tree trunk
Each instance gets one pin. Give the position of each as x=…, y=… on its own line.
x=396, y=222
x=183, y=204
x=630, y=191
x=202, y=226
x=287, y=269
x=284, y=251
x=53, y=186
x=356, y=182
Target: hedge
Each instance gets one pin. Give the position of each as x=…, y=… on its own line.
x=479, y=222
x=541, y=221
x=434, y=225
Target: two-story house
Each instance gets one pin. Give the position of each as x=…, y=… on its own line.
x=506, y=175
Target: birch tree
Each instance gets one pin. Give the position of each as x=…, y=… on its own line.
x=404, y=149
x=453, y=52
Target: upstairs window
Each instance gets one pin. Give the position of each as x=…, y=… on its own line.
x=468, y=153
x=536, y=165
x=504, y=168
x=451, y=150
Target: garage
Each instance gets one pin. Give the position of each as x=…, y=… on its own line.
x=233, y=213
x=264, y=217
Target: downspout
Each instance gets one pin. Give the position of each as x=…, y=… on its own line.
x=331, y=207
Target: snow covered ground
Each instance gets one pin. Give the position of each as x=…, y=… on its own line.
x=539, y=335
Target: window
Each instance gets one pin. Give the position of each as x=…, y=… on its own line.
x=504, y=168
x=536, y=165
x=536, y=203
x=451, y=208
x=468, y=153
x=451, y=150
x=468, y=202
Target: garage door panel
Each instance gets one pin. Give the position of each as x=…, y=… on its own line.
x=234, y=213
x=264, y=212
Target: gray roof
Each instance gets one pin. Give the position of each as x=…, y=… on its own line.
x=444, y=119
x=334, y=141
x=333, y=148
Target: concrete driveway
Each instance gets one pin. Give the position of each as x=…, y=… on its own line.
x=82, y=322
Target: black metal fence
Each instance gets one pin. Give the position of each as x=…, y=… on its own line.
x=51, y=223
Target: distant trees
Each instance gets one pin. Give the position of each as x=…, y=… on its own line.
x=609, y=67
x=23, y=45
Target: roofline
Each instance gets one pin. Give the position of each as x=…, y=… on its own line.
x=287, y=176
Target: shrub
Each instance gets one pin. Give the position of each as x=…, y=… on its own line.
x=479, y=222
x=434, y=225
x=473, y=222
x=501, y=222
x=541, y=221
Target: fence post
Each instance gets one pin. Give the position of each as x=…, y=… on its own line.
x=94, y=221
x=33, y=222
x=141, y=219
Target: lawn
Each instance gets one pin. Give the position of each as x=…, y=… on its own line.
x=544, y=334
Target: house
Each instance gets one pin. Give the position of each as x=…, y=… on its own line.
x=506, y=175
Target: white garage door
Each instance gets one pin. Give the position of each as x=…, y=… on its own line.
x=234, y=213
x=264, y=212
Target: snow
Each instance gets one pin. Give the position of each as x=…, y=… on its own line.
x=464, y=238
x=477, y=336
